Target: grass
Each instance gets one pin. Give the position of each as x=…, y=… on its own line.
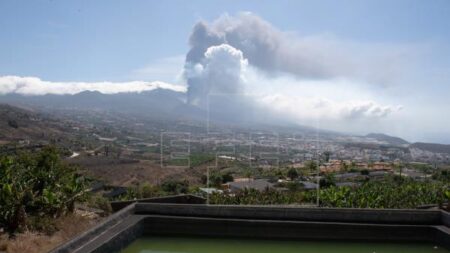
x=33, y=242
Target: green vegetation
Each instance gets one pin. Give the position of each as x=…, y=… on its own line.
x=196, y=159
x=292, y=173
x=254, y=197
x=201, y=158
x=100, y=202
x=393, y=192
x=175, y=187
x=216, y=179
x=442, y=175
x=311, y=166
x=327, y=180
x=35, y=187
x=423, y=167
x=146, y=190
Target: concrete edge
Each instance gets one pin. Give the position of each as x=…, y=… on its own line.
x=382, y=216
x=135, y=226
x=126, y=225
x=181, y=198
x=115, y=238
x=445, y=218
x=85, y=237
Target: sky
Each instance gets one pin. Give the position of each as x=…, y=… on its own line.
x=351, y=66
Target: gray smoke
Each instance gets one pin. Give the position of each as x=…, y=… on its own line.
x=265, y=48
x=220, y=52
x=274, y=52
x=263, y=45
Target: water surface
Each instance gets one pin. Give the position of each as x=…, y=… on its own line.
x=221, y=245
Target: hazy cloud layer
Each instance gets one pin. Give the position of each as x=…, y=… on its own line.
x=36, y=86
x=302, y=108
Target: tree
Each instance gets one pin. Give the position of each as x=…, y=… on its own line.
x=227, y=178
x=365, y=172
x=344, y=166
x=292, y=173
x=327, y=155
x=294, y=186
x=13, y=123
x=215, y=180
x=311, y=166
x=327, y=181
x=175, y=187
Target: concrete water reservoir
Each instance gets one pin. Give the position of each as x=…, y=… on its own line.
x=151, y=220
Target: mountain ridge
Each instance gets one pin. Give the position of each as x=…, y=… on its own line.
x=393, y=140
x=168, y=104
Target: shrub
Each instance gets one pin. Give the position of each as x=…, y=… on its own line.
x=36, y=184
x=175, y=187
x=292, y=174
x=101, y=203
x=42, y=224
x=13, y=124
x=327, y=181
x=227, y=178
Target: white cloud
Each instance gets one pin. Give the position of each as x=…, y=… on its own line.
x=221, y=71
x=330, y=100
x=304, y=108
x=36, y=86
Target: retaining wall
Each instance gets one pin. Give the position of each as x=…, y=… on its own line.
x=262, y=222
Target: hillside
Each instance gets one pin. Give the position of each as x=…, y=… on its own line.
x=158, y=103
x=432, y=147
x=388, y=139
x=21, y=124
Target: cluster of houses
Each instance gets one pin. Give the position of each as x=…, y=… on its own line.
x=341, y=165
x=342, y=177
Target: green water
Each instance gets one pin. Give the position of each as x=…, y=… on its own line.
x=216, y=245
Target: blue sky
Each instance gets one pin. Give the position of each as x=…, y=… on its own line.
x=119, y=41
x=98, y=40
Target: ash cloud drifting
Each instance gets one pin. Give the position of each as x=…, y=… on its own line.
x=275, y=51
x=263, y=45
x=225, y=52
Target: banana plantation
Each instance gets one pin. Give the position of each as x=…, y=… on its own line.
x=36, y=186
x=389, y=193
